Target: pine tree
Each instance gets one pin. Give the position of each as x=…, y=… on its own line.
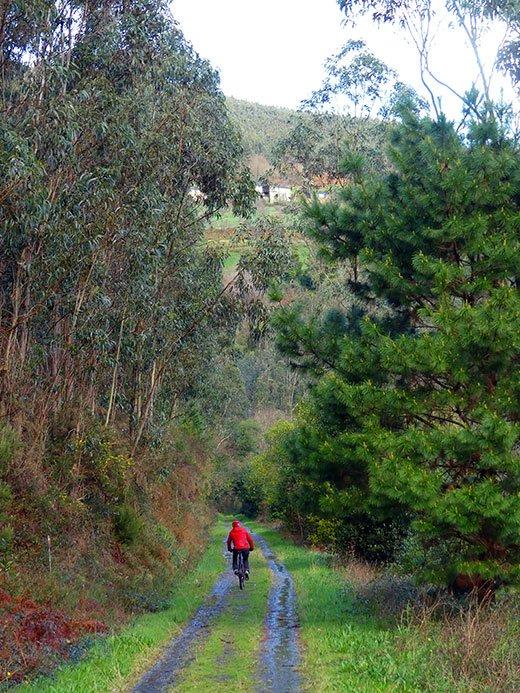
x=427, y=392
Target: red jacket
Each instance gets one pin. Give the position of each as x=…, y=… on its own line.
x=240, y=538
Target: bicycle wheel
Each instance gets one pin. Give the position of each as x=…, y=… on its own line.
x=241, y=571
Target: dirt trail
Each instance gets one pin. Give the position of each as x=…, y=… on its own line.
x=279, y=657
x=162, y=676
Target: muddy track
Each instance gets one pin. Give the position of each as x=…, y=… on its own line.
x=163, y=675
x=279, y=656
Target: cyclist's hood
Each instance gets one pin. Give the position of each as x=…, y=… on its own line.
x=236, y=523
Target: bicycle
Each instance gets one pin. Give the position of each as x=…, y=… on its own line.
x=241, y=570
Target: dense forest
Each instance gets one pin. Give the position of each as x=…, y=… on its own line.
x=353, y=376
x=260, y=126
x=111, y=306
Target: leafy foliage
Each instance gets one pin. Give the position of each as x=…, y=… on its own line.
x=112, y=306
x=105, y=286
x=478, y=11
x=416, y=407
x=342, y=125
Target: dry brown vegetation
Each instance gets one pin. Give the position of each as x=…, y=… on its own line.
x=474, y=645
x=477, y=646
x=105, y=538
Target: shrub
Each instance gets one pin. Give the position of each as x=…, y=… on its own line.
x=9, y=444
x=5, y=496
x=245, y=436
x=127, y=524
x=388, y=596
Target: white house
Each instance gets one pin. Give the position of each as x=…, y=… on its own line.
x=280, y=193
x=196, y=194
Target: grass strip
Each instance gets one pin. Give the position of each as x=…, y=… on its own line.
x=228, y=659
x=117, y=660
x=344, y=648
x=233, y=257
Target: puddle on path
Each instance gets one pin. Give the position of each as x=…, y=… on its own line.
x=279, y=658
x=163, y=675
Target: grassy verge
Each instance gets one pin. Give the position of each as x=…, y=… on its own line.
x=228, y=220
x=347, y=648
x=228, y=660
x=118, y=659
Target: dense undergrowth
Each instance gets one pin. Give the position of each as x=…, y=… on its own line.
x=116, y=661
x=99, y=545
x=364, y=630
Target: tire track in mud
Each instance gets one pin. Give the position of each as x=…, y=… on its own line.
x=279, y=652
x=163, y=675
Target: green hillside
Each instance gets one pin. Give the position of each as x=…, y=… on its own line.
x=302, y=146
x=261, y=126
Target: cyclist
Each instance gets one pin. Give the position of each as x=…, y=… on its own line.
x=239, y=541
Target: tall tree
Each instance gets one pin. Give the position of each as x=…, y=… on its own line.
x=471, y=15
x=419, y=401
x=343, y=113
x=110, y=119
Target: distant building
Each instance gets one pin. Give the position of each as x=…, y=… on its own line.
x=280, y=193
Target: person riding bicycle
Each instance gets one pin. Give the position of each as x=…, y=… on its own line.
x=239, y=541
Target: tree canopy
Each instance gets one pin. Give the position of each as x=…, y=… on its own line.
x=110, y=118
x=414, y=413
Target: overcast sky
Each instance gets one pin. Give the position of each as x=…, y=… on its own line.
x=272, y=51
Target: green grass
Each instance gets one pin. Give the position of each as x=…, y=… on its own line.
x=225, y=220
x=119, y=659
x=231, y=261
x=345, y=649
x=228, y=220
x=228, y=660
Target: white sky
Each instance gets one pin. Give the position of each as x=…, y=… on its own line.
x=272, y=51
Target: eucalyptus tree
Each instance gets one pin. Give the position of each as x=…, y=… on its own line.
x=344, y=114
x=110, y=302
x=472, y=16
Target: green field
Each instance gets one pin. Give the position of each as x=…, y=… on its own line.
x=228, y=220
x=221, y=229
